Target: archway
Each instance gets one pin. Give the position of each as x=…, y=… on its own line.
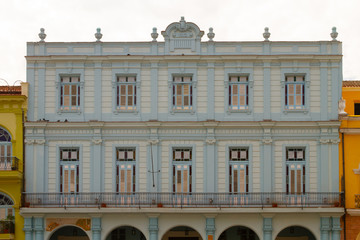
x=295, y=233
x=69, y=233
x=7, y=214
x=238, y=232
x=182, y=233
x=126, y=233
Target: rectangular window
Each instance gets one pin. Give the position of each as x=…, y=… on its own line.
x=238, y=92
x=238, y=170
x=295, y=171
x=70, y=93
x=182, y=93
x=295, y=92
x=356, y=108
x=69, y=170
x=125, y=170
x=126, y=93
x=182, y=170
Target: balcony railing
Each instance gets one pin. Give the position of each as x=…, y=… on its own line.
x=7, y=226
x=9, y=163
x=181, y=200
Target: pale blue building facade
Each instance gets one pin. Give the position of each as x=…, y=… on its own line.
x=183, y=138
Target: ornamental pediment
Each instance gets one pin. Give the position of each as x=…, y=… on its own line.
x=181, y=36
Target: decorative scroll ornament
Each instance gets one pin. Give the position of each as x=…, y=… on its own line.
x=97, y=141
x=266, y=34
x=42, y=35
x=267, y=141
x=40, y=141
x=334, y=34
x=211, y=141
x=182, y=30
x=154, y=141
x=98, y=34
x=154, y=34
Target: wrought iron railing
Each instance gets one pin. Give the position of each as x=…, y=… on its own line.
x=9, y=163
x=181, y=200
x=7, y=226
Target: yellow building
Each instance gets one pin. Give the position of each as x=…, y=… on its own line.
x=350, y=151
x=13, y=107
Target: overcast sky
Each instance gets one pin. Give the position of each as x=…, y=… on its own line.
x=133, y=20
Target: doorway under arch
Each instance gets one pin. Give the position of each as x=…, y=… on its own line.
x=69, y=233
x=238, y=232
x=182, y=233
x=126, y=233
x=295, y=233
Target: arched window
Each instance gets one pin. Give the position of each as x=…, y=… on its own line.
x=6, y=208
x=5, y=150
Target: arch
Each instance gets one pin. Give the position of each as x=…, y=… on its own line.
x=5, y=200
x=69, y=232
x=295, y=231
x=125, y=232
x=181, y=232
x=238, y=231
x=4, y=135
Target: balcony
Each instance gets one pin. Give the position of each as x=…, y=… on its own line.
x=180, y=200
x=9, y=163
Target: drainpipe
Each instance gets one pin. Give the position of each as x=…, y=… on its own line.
x=343, y=190
x=23, y=157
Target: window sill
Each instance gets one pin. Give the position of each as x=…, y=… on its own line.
x=61, y=111
x=230, y=111
x=304, y=111
x=191, y=111
x=118, y=111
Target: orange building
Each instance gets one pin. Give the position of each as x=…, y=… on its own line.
x=349, y=159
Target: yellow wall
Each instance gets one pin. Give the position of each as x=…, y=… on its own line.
x=351, y=96
x=350, y=128
x=12, y=110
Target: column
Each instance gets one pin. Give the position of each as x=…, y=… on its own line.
x=96, y=228
x=324, y=228
x=39, y=228
x=28, y=228
x=336, y=228
x=210, y=227
x=267, y=227
x=153, y=227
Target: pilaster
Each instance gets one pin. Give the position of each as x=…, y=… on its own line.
x=267, y=90
x=336, y=228
x=325, y=227
x=96, y=228
x=267, y=227
x=210, y=228
x=28, y=228
x=154, y=91
x=211, y=91
x=39, y=228
x=153, y=227
x=323, y=91
x=98, y=91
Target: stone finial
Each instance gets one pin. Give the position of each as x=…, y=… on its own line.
x=154, y=34
x=42, y=35
x=266, y=34
x=334, y=34
x=98, y=34
x=211, y=34
x=341, y=107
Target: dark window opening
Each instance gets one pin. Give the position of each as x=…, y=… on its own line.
x=357, y=108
